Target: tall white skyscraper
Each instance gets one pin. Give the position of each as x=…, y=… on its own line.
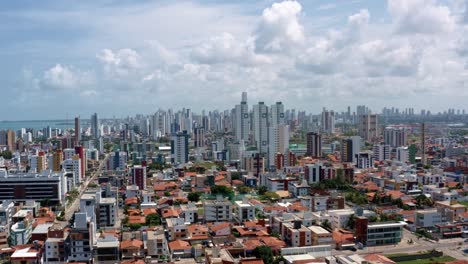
x=328, y=121
x=95, y=127
x=278, y=142
x=260, y=126
x=277, y=114
x=242, y=119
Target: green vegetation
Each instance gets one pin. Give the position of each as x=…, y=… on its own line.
x=265, y=253
x=194, y=196
x=72, y=195
x=262, y=190
x=356, y=197
x=153, y=220
x=6, y=154
x=270, y=196
x=244, y=189
x=463, y=203
x=158, y=166
x=337, y=183
x=222, y=190
x=442, y=259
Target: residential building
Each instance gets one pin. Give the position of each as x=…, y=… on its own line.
x=314, y=145
x=260, y=127
x=328, y=121
x=244, y=211
x=156, y=243
x=369, y=127
x=180, y=148
x=381, y=152
x=139, y=176
x=242, y=127
x=219, y=210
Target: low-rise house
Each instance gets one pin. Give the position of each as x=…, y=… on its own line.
x=131, y=248
x=180, y=249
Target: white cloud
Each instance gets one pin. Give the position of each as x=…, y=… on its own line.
x=280, y=28
x=65, y=78
x=120, y=63
x=420, y=17
x=227, y=49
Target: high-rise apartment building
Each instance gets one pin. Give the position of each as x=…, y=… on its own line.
x=314, y=145
x=277, y=114
x=57, y=159
x=350, y=147
x=328, y=121
x=381, y=152
x=395, y=137
x=180, y=148
x=278, y=142
x=242, y=117
x=139, y=176
x=77, y=130
x=95, y=127
x=260, y=126
x=369, y=127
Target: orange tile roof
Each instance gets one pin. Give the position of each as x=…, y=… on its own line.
x=252, y=261
x=135, y=243
x=179, y=245
x=136, y=219
x=220, y=226
x=131, y=200
x=148, y=211
x=169, y=212
x=379, y=258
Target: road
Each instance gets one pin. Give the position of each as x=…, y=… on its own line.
x=83, y=186
x=451, y=247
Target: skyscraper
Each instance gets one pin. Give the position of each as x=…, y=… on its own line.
x=395, y=137
x=260, y=126
x=242, y=117
x=180, y=148
x=369, y=127
x=77, y=130
x=95, y=127
x=350, y=147
x=314, y=145
x=328, y=121
x=277, y=114
x=278, y=142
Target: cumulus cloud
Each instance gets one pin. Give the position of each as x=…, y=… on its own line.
x=420, y=16
x=280, y=28
x=227, y=49
x=421, y=50
x=120, y=63
x=382, y=58
x=65, y=78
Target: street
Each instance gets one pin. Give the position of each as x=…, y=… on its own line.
x=83, y=186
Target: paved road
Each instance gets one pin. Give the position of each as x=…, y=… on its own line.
x=76, y=204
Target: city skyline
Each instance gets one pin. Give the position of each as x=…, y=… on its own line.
x=116, y=58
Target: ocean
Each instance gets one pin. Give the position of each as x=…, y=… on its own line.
x=36, y=124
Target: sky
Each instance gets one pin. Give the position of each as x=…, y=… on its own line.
x=118, y=58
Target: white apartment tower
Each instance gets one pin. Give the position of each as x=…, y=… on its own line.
x=278, y=142
x=260, y=126
x=242, y=119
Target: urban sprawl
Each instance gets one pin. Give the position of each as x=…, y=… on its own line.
x=248, y=185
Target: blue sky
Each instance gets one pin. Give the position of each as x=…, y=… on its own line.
x=126, y=57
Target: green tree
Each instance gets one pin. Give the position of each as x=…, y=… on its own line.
x=271, y=196
x=244, y=189
x=153, y=220
x=265, y=253
x=222, y=190
x=326, y=224
x=351, y=222
x=6, y=154
x=262, y=190
x=194, y=196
